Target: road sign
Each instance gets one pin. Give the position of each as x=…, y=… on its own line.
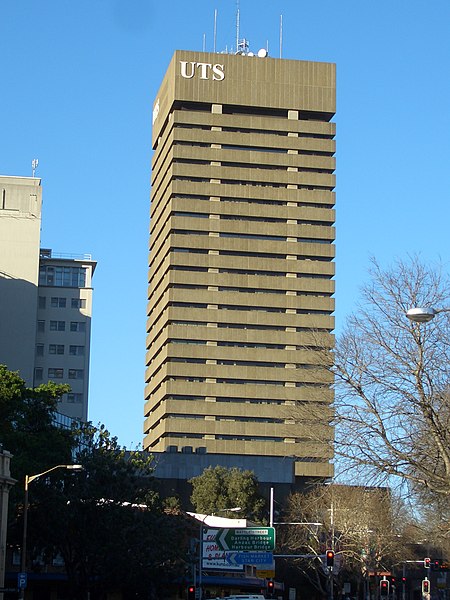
x=260, y=539
x=266, y=574
x=21, y=581
x=249, y=558
x=213, y=557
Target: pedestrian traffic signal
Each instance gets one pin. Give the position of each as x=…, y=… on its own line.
x=425, y=586
x=330, y=558
x=384, y=588
x=426, y=563
x=191, y=592
x=270, y=588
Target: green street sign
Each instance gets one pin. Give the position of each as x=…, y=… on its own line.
x=251, y=539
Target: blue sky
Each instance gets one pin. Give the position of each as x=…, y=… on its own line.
x=77, y=83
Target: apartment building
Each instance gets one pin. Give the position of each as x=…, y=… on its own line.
x=45, y=300
x=241, y=263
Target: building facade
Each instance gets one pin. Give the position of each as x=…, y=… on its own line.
x=241, y=260
x=45, y=300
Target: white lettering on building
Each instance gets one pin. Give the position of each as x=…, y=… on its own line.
x=191, y=69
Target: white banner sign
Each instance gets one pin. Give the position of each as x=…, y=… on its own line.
x=212, y=556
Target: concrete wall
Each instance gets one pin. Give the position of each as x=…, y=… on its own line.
x=20, y=222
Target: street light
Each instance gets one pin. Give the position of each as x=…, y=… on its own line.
x=424, y=314
x=29, y=479
x=200, y=551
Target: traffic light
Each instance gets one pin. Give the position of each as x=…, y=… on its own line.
x=404, y=580
x=330, y=558
x=270, y=588
x=436, y=564
x=191, y=592
x=384, y=588
x=426, y=563
x=425, y=586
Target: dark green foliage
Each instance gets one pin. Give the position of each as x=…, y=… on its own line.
x=108, y=522
x=219, y=488
x=26, y=426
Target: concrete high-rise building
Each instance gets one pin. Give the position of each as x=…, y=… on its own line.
x=45, y=300
x=241, y=260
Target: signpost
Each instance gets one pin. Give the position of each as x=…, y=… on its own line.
x=250, y=539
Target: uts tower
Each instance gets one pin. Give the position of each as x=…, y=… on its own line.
x=241, y=259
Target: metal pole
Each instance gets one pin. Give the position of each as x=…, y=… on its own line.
x=404, y=582
x=200, y=561
x=23, y=554
x=271, y=507
x=330, y=580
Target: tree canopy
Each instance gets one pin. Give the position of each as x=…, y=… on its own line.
x=27, y=428
x=392, y=380
x=107, y=522
x=370, y=538
x=219, y=488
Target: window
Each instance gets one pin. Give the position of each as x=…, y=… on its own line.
x=56, y=373
x=78, y=303
x=56, y=349
x=38, y=373
x=62, y=276
x=41, y=301
x=76, y=350
x=39, y=349
x=73, y=398
x=57, y=325
x=79, y=326
x=76, y=373
x=58, y=302
x=41, y=326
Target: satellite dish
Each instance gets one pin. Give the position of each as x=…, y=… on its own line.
x=262, y=53
x=250, y=54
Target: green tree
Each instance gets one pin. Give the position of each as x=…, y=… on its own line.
x=219, y=488
x=107, y=522
x=27, y=427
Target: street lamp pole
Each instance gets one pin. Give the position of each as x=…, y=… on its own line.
x=28, y=480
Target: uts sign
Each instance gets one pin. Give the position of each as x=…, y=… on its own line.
x=189, y=70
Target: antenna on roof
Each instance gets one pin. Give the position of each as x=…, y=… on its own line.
x=281, y=33
x=204, y=42
x=215, y=28
x=34, y=165
x=237, y=26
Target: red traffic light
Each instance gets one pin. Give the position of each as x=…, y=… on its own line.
x=384, y=587
x=425, y=586
x=330, y=558
x=426, y=563
x=270, y=587
x=191, y=592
